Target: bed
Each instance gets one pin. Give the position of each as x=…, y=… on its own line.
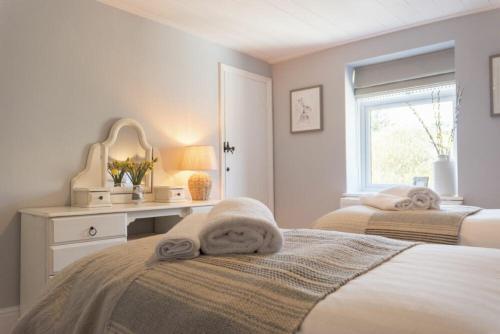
x=380, y=285
x=481, y=229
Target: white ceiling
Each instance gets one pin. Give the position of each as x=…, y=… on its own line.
x=276, y=30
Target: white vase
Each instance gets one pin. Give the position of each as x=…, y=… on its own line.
x=445, y=180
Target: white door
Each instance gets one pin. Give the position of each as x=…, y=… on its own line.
x=246, y=126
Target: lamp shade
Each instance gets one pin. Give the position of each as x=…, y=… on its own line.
x=200, y=157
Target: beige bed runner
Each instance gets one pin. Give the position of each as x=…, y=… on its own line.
x=115, y=292
x=434, y=226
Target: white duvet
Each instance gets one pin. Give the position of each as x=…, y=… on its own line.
x=427, y=289
x=431, y=289
x=481, y=229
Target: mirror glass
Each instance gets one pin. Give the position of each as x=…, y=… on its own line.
x=127, y=145
x=495, y=85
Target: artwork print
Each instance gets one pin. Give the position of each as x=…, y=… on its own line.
x=306, y=109
x=495, y=84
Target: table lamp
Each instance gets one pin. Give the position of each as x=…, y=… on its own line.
x=199, y=158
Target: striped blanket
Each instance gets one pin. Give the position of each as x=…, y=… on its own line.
x=433, y=226
x=115, y=291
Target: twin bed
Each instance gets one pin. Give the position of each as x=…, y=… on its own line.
x=320, y=282
x=481, y=229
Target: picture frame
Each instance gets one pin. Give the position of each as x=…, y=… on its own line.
x=306, y=109
x=421, y=181
x=495, y=85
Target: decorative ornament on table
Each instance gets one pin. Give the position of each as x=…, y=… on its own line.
x=445, y=178
x=421, y=181
x=117, y=169
x=136, y=170
x=199, y=158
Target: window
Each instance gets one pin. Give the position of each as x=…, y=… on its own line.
x=394, y=143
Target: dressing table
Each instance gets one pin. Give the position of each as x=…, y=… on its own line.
x=54, y=237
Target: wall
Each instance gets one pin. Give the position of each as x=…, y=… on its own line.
x=310, y=168
x=68, y=70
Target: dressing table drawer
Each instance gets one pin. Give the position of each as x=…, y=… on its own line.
x=62, y=255
x=91, y=197
x=97, y=198
x=83, y=228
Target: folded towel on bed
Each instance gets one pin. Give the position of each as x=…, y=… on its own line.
x=387, y=202
x=422, y=198
x=183, y=240
x=240, y=225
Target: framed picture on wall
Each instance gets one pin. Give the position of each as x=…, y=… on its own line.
x=495, y=84
x=306, y=109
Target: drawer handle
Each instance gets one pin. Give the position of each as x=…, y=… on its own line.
x=178, y=194
x=101, y=197
x=92, y=231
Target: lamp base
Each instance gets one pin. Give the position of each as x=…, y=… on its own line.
x=200, y=185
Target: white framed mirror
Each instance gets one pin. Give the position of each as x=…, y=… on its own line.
x=126, y=140
x=495, y=84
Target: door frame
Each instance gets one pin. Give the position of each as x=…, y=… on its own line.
x=223, y=69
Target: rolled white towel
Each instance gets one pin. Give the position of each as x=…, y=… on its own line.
x=387, y=202
x=240, y=225
x=421, y=197
x=183, y=240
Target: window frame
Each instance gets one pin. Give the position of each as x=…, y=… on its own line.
x=367, y=104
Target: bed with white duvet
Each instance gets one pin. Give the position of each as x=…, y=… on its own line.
x=481, y=229
x=372, y=284
x=438, y=289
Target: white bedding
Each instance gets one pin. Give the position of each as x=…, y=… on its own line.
x=426, y=289
x=481, y=229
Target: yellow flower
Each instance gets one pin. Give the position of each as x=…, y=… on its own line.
x=115, y=171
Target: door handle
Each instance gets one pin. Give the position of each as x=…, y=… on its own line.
x=228, y=148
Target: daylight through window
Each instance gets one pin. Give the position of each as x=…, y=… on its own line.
x=395, y=145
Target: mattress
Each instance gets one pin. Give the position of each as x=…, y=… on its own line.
x=481, y=229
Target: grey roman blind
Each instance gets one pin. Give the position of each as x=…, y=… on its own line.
x=428, y=69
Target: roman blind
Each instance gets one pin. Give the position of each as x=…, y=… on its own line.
x=436, y=68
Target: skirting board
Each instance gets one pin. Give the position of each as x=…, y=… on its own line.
x=8, y=317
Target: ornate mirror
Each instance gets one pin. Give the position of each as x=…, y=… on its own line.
x=126, y=140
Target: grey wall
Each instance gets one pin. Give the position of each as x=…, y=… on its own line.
x=310, y=168
x=68, y=70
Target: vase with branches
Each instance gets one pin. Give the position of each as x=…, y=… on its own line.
x=442, y=139
x=441, y=142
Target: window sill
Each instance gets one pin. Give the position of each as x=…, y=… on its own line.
x=443, y=198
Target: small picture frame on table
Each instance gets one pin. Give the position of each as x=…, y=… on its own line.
x=421, y=181
x=306, y=109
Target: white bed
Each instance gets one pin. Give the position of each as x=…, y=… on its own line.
x=481, y=229
x=427, y=289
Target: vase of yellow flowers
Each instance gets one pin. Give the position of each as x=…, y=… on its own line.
x=136, y=170
x=117, y=171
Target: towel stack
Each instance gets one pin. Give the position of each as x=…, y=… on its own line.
x=240, y=225
x=403, y=197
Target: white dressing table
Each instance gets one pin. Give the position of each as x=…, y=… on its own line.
x=53, y=237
